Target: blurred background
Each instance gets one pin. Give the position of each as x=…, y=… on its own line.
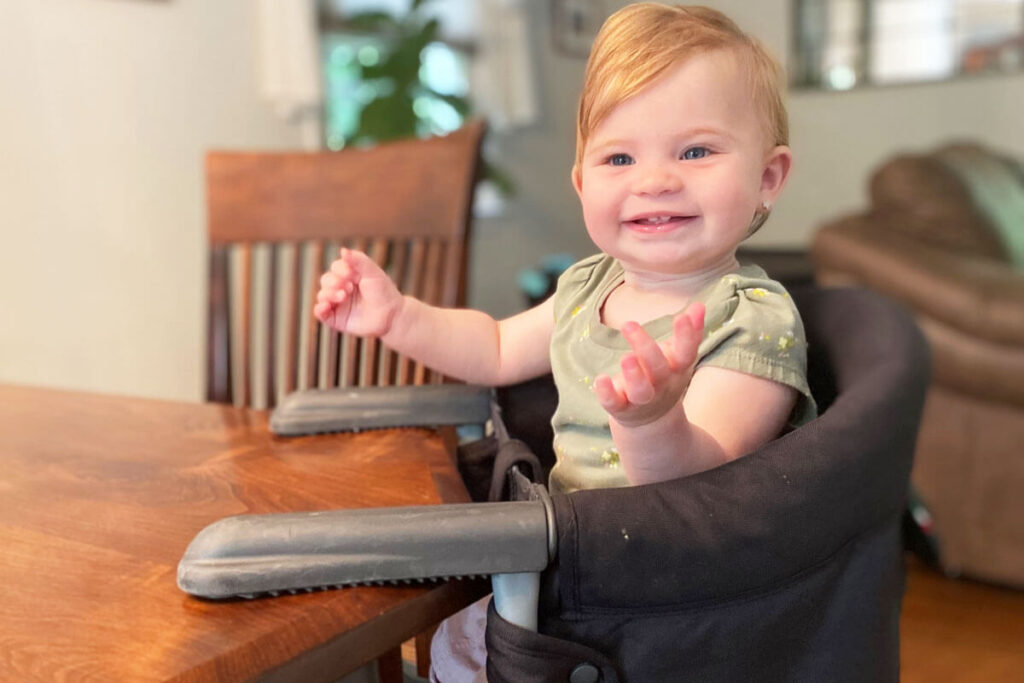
x=109, y=105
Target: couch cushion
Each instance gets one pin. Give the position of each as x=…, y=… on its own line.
x=927, y=201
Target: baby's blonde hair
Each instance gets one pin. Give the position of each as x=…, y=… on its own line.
x=641, y=42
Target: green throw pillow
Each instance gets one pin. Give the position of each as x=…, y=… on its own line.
x=997, y=188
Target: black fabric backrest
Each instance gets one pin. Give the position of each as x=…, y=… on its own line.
x=764, y=519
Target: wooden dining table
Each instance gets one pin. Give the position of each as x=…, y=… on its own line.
x=100, y=495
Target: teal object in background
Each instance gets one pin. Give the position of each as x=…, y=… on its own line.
x=538, y=283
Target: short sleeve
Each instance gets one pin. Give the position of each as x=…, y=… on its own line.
x=578, y=283
x=753, y=326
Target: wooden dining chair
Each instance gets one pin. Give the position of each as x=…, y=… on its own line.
x=276, y=221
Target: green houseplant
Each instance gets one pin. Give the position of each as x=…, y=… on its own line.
x=396, y=101
x=396, y=75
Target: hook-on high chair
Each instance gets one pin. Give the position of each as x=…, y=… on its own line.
x=784, y=565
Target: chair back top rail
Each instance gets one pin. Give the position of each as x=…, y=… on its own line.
x=289, y=196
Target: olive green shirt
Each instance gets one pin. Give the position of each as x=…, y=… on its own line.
x=750, y=325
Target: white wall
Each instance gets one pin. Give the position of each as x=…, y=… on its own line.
x=107, y=107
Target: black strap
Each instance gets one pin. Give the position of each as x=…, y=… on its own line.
x=512, y=454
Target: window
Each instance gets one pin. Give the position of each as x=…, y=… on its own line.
x=841, y=44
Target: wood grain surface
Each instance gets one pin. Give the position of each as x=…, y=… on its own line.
x=100, y=495
x=960, y=631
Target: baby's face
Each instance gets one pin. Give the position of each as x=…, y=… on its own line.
x=670, y=180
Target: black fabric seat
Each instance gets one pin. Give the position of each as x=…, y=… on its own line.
x=785, y=565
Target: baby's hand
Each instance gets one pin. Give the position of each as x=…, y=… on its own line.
x=654, y=376
x=357, y=297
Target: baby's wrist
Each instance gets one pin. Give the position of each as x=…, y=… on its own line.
x=672, y=415
x=651, y=452
x=396, y=321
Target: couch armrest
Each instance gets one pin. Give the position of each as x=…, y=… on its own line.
x=971, y=310
x=980, y=297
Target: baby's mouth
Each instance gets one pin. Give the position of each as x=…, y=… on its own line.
x=654, y=224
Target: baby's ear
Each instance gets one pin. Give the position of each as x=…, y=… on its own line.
x=777, y=166
x=577, y=179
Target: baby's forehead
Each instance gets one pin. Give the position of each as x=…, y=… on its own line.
x=717, y=80
x=620, y=83
x=696, y=81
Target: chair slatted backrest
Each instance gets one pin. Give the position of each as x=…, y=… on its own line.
x=277, y=219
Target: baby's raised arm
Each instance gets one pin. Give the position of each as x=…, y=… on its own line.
x=357, y=297
x=667, y=424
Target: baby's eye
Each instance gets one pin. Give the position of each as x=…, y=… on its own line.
x=696, y=153
x=619, y=160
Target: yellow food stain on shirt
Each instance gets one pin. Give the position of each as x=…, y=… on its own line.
x=586, y=333
x=759, y=293
x=610, y=457
x=585, y=380
x=786, y=342
x=576, y=311
x=764, y=336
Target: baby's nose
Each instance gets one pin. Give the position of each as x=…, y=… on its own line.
x=657, y=180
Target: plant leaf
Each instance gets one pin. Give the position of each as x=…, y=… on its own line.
x=388, y=118
x=372, y=22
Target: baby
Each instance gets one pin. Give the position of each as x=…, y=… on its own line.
x=669, y=357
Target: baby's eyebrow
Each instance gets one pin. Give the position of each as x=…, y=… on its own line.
x=720, y=132
x=608, y=145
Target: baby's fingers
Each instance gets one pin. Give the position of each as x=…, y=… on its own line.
x=636, y=384
x=648, y=352
x=329, y=280
x=355, y=265
x=334, y=287
x=343, y=267
x=687, y=332
x=331, y=296
x=610, y=398
x=322, y=311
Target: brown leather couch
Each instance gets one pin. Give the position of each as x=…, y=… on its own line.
x=944, y=235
